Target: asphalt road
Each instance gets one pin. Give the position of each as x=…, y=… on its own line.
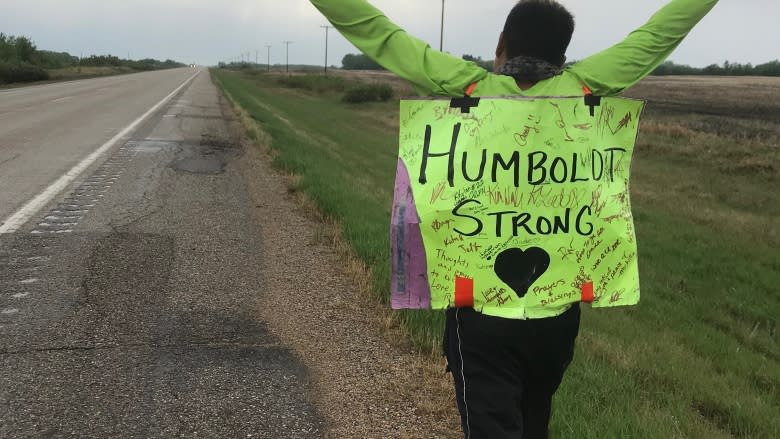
x=128, y=299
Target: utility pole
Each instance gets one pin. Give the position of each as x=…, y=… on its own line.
x=327, y=28
x=441, y=38
x=287, y=43
x=268, y=46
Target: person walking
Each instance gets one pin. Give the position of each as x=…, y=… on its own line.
x=505, y=387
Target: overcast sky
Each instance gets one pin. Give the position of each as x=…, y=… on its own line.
x=208, y=31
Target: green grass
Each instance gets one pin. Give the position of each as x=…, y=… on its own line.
x=71, y=73
x=698, y=358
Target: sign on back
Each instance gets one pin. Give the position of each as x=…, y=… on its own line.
x=517, y=208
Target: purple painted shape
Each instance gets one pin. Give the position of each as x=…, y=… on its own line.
x=409, y=287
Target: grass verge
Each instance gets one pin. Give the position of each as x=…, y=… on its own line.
x=699, y=358
x=74, y=74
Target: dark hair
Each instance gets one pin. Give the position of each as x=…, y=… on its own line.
x=540, y=29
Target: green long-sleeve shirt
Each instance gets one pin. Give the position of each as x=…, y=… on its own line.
x=431, y=72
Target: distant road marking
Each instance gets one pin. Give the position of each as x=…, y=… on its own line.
x=18, y=219
x=62, y=99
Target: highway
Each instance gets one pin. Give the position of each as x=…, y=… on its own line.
x=128, y=268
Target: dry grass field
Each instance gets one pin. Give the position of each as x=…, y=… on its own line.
x=742, y=97
x=741, y=108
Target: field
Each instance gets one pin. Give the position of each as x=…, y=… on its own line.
x=700, y=357
x=72, y=74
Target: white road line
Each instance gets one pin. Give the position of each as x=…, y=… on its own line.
x=18, y=219
x=63, y=99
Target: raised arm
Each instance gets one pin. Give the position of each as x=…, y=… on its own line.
x=623, y=65
x=430, y=71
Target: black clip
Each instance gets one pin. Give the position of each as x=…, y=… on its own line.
x=466, y=103
x=592, y=101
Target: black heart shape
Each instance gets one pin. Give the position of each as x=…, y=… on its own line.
x=520, y=269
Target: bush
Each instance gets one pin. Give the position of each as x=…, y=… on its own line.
x=368, y=93
x=22, y=72
x=359, y=62
x=315, y=83
x=54, y=60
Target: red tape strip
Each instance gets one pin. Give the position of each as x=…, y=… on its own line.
x=587, y=292
x=464, y=292
x=471, y=88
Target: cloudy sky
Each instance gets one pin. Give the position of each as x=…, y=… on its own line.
x=208, y=31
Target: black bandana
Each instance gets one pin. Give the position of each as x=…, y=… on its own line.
x=527, y=68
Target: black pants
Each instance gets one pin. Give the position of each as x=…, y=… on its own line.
x=506, y=371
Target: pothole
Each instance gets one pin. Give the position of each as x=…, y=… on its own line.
x=208, y=157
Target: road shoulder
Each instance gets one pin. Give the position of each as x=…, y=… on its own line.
x=368, y=381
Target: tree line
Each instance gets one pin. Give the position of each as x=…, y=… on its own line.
x=772, y=68
x=21, y=61
x=141, y=64
x=363, y=62
x=17, y=63
x=359, y=62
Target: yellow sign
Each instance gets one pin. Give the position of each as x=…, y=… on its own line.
x=517, y=208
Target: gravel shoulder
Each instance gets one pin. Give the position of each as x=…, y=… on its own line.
x=369, y=383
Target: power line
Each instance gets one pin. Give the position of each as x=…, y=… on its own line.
x=287, y=43
x=441, y=38
x=327, y=28
x=268, y=46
